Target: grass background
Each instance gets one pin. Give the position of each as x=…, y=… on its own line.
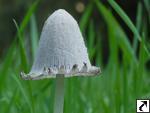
x=125, y=77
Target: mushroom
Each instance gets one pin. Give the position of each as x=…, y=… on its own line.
x=61, y=53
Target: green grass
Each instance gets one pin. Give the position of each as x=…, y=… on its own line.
x=122, y=81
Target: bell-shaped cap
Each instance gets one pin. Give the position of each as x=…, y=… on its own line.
x=61, y=50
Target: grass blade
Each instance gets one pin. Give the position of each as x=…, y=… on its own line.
x=91, y=40
x=127, y=20
x=7, y=63
x=34, y=35
x=85, y=17
x=22, y=49
x=12, y=101
x=23, y=91
x=28, y=15
x=138, y=24
x=147, y=5
x=121, y=38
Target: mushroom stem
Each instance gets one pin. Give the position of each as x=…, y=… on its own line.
x=59, y=94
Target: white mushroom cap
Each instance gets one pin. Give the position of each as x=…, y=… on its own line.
x=61, y=50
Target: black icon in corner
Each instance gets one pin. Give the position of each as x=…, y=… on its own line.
x=144, y=104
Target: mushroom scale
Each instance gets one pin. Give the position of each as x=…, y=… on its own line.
x=61, y=50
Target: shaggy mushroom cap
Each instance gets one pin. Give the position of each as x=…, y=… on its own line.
x=61, y=50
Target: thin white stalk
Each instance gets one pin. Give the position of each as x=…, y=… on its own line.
x=59, y=94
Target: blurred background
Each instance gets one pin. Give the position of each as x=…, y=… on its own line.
x=16, y=9
x=118, y=40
